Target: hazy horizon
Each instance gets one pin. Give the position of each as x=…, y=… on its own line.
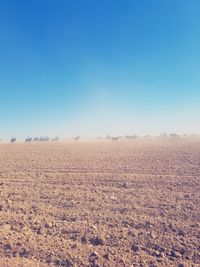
x=99, y=67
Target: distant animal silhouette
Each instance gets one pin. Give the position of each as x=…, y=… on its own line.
x=36, y=139
x=115, y=138
x=134, y=136
x=44, y=139
x=174, y=135
x=56, y=138
x=77, y=138
x=13, y=140
x=28, y=140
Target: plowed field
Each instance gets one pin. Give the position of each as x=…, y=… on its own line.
x=123, y=203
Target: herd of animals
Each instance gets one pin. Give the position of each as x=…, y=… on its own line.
x=77, y=138
x=41, y=139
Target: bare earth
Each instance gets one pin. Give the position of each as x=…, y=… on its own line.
x=123, y=203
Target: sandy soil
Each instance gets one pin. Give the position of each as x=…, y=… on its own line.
x=124, y=203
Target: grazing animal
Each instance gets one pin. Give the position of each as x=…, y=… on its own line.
x=134, y=136
x=44, y=139
x=115, y=138
x=28, y=140
x=12, y=140
x=174, y=135
x=77, y=138
x=36, y=139
x=56, y=138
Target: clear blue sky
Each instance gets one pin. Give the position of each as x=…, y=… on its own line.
x=99, y=67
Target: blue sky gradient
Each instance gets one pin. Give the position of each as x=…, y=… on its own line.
x=99, y=67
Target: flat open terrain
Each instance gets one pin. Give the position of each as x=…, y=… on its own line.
x=123, y=203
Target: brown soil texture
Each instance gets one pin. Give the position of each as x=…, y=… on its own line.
x=101, y=204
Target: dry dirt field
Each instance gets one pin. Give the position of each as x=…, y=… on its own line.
x=100, y=204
